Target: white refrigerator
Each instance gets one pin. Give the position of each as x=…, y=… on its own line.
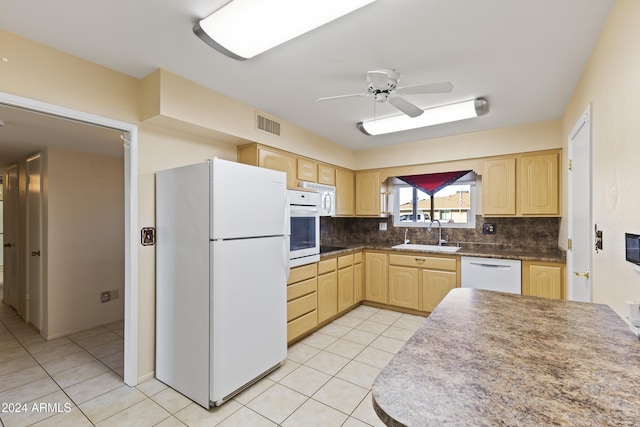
x=222, y=262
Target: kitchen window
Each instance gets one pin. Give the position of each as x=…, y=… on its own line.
x=449, y=198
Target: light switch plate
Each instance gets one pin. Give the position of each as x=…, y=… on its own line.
x=383, y=226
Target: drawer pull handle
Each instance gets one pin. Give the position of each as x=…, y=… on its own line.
x=420, y=259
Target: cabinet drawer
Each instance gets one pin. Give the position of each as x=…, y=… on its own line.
x=302, y=324
x=303, y=288
x=417, y=260
x=327, y=266
x=303, y=272
x=345, y=261
x=300, y=306
x=357, y=258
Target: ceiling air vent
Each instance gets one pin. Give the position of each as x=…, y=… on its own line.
x=268, y=125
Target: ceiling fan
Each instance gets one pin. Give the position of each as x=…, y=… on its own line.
x=383, y=85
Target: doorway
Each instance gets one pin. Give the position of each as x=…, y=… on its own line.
x=130, y=134
x=579, y=273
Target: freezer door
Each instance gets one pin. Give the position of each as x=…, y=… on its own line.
x=248, y=311
x=247, y=201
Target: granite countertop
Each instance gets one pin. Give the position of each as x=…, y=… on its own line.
x=487, y=358
x=479, y=250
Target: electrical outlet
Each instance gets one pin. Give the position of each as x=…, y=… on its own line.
x=105, y=296
x=488, y=228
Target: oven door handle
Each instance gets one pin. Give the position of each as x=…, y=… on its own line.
x=296, y=210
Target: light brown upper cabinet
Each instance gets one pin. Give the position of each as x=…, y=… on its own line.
x=344, y=192
x=326, y=175
x=539, y=193
x=368, y=193
x=522, y=185
x=307, y=170
x=499, y=187
x=256, y=155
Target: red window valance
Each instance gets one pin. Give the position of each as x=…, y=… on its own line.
x=433, y=182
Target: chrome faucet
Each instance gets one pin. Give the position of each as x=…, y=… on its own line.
x=405, y=236
x=441, y=241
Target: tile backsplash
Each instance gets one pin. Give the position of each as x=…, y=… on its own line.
x=528, y=233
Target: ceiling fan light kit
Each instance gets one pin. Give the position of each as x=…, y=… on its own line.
x=429, y=117
x=242, y=29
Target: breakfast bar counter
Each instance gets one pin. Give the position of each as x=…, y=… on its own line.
x=487, y=358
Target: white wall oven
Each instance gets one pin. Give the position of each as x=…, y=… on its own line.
x=304, y=208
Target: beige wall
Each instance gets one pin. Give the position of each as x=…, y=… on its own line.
x=611, y=83
x=84, y=227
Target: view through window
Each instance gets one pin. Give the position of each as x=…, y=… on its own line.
x=453, y=205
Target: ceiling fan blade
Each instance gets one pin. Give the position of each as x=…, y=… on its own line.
x=405, y=106
x=353, y=95
x=379, y=79
x=442, y=87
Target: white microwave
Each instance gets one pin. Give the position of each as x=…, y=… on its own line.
x=304, y=241
x=327, y=206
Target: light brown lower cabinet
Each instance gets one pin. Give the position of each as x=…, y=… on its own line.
x=404, y=287
x=302, y=301
x=413, y=281
x=346, y=288
x=375, y=276
x=435, y=286
x=543, y=279
x=358, y=276
x=327, y=289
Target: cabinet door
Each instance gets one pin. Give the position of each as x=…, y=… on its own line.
x=375, y=277
x=346, y=291
x=280, y=162
x=404, y=287
x=435, y=286
x=307, y=170
x=344, y=192
x=326, y=175
x=368, y=194
x=542, y=280
x=499, y=187
x=327, y=296
x=358, y=279
x=539, y=185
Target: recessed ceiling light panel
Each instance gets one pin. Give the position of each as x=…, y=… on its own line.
x=243, y=29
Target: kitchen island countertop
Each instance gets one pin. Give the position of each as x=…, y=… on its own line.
x=491, y=358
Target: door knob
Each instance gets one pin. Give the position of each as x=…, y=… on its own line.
x=36, y=253
x=585, y=274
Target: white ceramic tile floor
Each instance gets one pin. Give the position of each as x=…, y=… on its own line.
x=325, y=381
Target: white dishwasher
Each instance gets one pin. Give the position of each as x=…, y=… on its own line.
x=493, y=274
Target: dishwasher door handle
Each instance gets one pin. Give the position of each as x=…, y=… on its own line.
x=484, y=265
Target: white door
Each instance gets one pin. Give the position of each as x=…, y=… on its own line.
x=10, y=228
x=34, y=241
x=580, y=226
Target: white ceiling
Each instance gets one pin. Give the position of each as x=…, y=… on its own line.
x=524, y=56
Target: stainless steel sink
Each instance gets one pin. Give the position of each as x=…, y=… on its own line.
x=430, y=248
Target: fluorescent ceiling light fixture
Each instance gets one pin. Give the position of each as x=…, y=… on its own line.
x=431, y=116
x=242, y=29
